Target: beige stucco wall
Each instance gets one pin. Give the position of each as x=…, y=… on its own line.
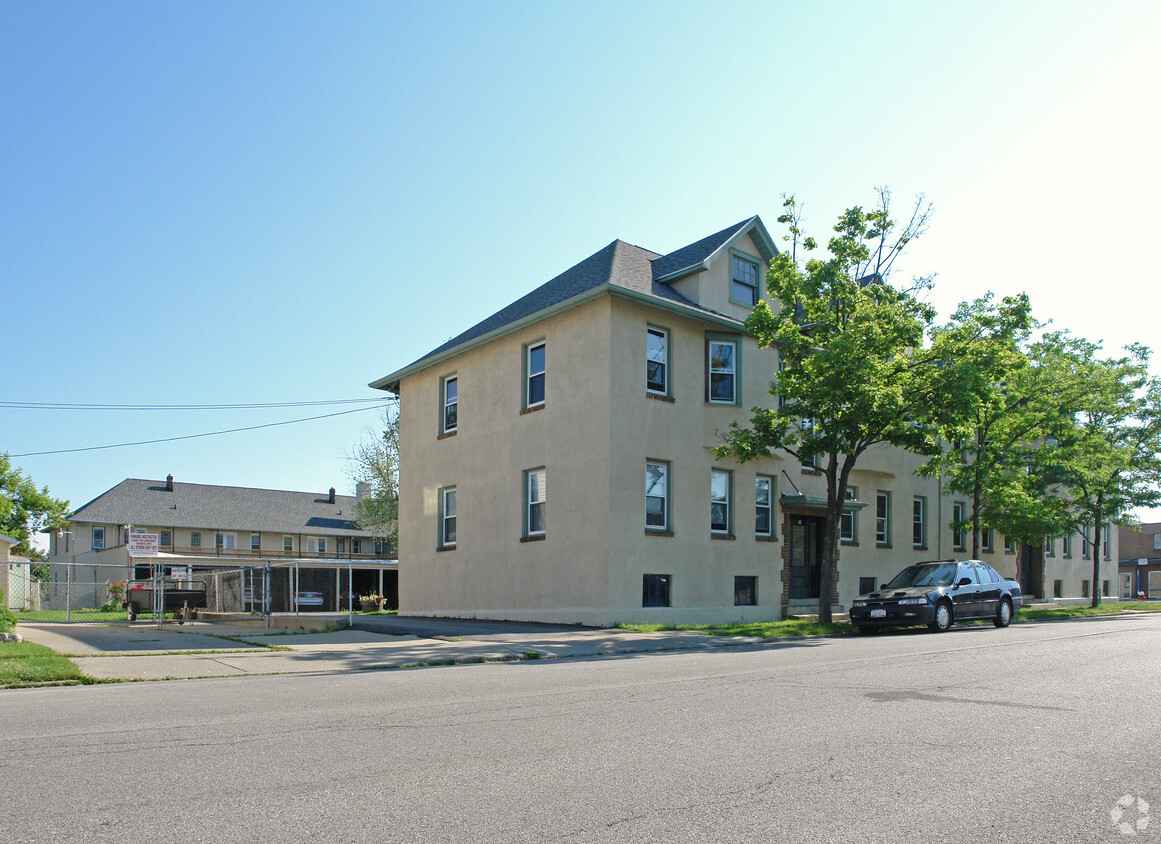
x=594, y=435
x=491, y=573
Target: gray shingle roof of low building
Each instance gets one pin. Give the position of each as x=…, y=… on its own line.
x=222, y=508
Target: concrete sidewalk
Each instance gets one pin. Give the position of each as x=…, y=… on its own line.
x=135, y=652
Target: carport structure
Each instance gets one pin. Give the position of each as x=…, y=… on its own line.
x=246, y=585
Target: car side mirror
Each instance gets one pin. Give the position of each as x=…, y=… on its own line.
x=964, y=581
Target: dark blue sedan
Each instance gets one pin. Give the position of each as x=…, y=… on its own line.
x=939, y=593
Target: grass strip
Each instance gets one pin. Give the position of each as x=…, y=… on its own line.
x=1081, y=611
x=755, y=629
x=29, y=664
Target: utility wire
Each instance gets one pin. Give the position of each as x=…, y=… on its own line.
x=34, y=405
x=192, y=436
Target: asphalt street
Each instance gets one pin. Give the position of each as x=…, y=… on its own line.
x=1040, y=732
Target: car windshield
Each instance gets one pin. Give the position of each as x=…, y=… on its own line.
x=925, y=574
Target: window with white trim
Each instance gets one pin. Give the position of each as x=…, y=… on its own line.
x=656, y=495
x=98, y=538
x=451, y=404
x=987, y=539
x=1066, y=550
x=848, y=519
x=255, y=542
x=534, y=375
x=743, y=281
x=288, y=543
x=719, y=501
x=657, y=361
x=764, y=505
x=722, y=374
x=225, y=541
x=447, y=517
x=356, y=546
x=919, y=521
x=535, y=493
x=882, y=518
x=958, y=534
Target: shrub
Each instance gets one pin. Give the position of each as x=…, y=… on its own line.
x=7, y=619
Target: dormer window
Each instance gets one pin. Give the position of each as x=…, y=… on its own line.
x=743, y=281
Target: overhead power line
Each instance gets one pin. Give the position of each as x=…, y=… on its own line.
x=192, y=436
x=37, y=405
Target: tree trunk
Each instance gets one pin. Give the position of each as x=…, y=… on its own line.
x=827, y=567
x=1096, y=559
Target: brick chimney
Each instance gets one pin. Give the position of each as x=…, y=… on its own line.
x=332, y=498
x=169, y=483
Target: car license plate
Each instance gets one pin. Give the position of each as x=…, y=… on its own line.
x=878, y=613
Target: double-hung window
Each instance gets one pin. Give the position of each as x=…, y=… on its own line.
x=534, y=375
x=882, y=518
x=656, y=495
x=957, y=531
x=535, y=492
x=98, y=538
x=848, y=524
x=255, y=542
x=722, y=371
x=988, y=539
x=763, y=505
x=225, y=541
x=1066, y=548
x=743, y=281
x=447, y=517
x=288, y=544
x=719, y=502
x=1049, y=546
x=657, y=361
x=451, y=404
x=919, y=522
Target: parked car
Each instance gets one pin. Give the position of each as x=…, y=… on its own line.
x=939, y=593
x=309, y=599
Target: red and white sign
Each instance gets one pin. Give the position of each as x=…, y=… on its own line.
x=143, y=544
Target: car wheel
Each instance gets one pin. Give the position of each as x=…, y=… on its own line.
x=942, y=620
x=1003, y=614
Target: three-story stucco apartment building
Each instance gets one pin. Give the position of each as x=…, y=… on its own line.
x=557, y=459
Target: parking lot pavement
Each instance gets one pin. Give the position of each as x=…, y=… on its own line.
x=133, y=652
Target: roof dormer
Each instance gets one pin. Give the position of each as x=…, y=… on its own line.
x=722, y=272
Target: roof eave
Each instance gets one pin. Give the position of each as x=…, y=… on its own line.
x=758, y=234
x=391, y=382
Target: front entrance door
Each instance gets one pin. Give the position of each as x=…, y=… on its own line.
x=805, y=556
x=1032, y=570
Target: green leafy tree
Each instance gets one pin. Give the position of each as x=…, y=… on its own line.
x=1108, y=446
x=993, y=454
x=853, y=372
x=375, y=462
x=25, y=510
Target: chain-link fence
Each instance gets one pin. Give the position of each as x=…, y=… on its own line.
x=276, y=587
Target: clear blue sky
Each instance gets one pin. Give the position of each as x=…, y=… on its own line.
x=210, y=203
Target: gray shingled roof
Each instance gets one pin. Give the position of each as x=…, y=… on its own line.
x=143, y=502
x=689, y=257
x=619, y=263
